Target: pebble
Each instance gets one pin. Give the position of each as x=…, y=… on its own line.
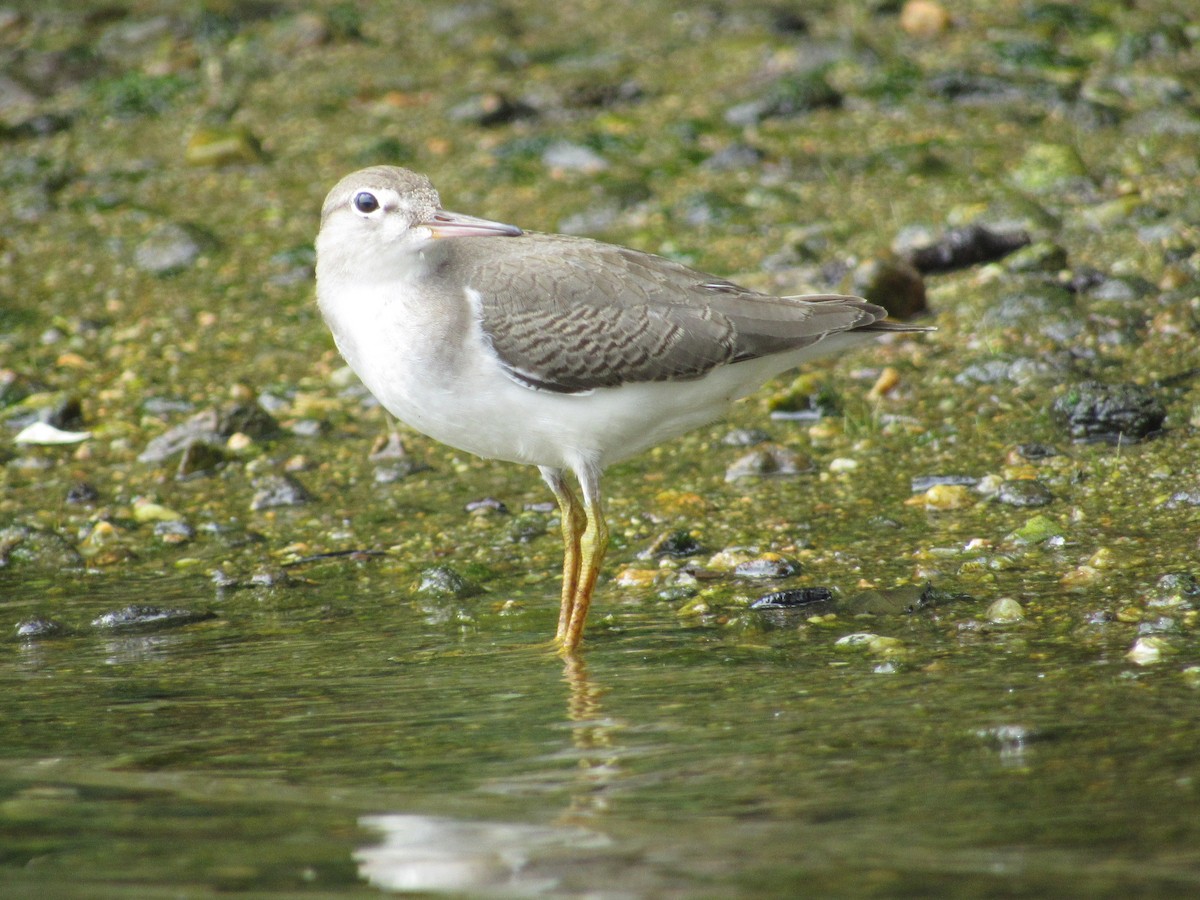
x=1005, y=611
x=169, y=248
x=1024, y=492
x=768, y=460
x=564, y=156
x=1146, y=651
x=768, y=565
x=222, y=147
x=443, y=581
x=39, y=628
x=1036, y=530
x=273, y=491
x=923, y=18
x=943, y=497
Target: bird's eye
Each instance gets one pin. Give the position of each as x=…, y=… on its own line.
x=365, y=202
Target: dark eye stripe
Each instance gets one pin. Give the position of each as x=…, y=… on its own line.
x=365, y=202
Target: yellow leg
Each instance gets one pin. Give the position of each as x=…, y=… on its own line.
x=573, y=523
x=593, y=544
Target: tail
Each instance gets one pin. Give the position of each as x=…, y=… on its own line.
x=874, y=316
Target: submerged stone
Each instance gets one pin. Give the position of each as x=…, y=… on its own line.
x=136, y=617
x=1093, y=411
x=1024, y=492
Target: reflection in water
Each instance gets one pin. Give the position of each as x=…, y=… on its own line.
x=433, y=853
x=430, y=853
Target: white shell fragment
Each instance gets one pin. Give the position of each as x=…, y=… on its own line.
x=45, y=434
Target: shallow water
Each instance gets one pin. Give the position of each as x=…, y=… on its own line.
x=281, y=750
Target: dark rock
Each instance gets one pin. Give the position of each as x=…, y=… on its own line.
x=806, y=598
x=199, y=457
x=677, y=544
x=34, y=628
x=146, y=618
x=1024, y=492
x=892, y=283
x=959, y=248
x=82, y=492
x=274, y=491
x=210, y=428
x=1093, y=411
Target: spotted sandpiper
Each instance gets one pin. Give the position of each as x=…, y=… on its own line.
x=555, y=351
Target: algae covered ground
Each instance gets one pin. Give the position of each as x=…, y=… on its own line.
x=253, y=644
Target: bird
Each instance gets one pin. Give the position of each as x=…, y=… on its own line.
x=557, y=351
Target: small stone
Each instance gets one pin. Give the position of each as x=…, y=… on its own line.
x=768, y=565
x=273, y=491
x=1024, y=492
x=888, y=381
x=1005, y=611
x=745, y=437
x=1147, y=651
x=443, y=581
x=921, y=483
x=842, y=465
x=856, y=640
x=149, y=511
x=32, y=629
x=639, y=578
x=82, y=492
x=677, y=544
x=923, y=19
x=170, y=248
x=943, y=497
x=174, y=532
x=768, y=461
x=222, y=146
x=564, y=156
x=487, y=506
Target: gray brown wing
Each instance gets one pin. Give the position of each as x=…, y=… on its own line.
x=570, y=315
